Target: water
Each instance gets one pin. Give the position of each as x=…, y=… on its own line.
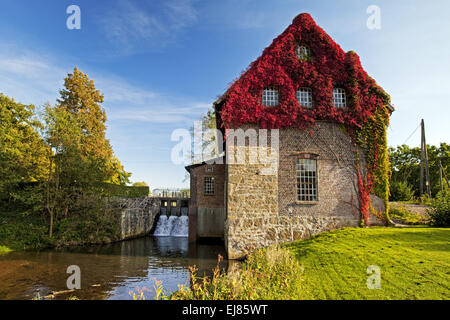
x=107, y=272
x=172, y=226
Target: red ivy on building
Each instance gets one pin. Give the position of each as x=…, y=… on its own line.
x=278, y=67
x=328, y=67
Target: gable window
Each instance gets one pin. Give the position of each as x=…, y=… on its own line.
x=339, y=98
x=209, y=168
x=302, y=52
x=208, y=186
x=304, y=97
x=270, y=97
x=306, y=173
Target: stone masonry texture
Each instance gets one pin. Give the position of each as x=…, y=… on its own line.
x=262, y=207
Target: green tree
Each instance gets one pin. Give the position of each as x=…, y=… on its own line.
x=140, y=184
x=83, y=158
x=81, y=103
x=24, y=155
x=405, y=165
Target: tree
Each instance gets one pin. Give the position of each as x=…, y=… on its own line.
x=405, y=165
x=24, y=155
x=209, y=148
x=82, y=157
x=140, y=184
x=80, y=107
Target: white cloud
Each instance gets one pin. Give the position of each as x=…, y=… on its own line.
x=34, y=78
x=134, y=25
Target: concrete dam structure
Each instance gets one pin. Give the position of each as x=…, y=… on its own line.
x=160, y=216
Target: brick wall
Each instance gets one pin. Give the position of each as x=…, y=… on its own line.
x=198, y=197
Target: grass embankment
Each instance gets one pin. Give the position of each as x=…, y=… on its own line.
x=268, y=274
x=414, y=264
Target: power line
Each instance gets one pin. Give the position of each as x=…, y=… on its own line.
x=412, y=133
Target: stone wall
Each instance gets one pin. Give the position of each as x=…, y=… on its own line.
x=138, y=217
x=262, y=209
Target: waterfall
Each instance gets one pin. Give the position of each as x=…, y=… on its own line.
x=172, y=226
x=180, y=228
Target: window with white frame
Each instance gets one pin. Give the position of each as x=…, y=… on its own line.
x=339, y=98
x=304, y=97
x=270, y=97
x=306, y=173
x=209, y=186
x=302, y=52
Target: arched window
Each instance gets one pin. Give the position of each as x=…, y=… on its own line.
x=270, y=97
x=303, y=53
x=339, y=99
x=304, y=97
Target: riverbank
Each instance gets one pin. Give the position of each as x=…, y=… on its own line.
x=413, y=262
x=21, y=230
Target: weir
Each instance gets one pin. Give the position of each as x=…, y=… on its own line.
x=162, y=216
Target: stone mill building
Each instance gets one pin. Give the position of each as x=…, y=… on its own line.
x=304, y=149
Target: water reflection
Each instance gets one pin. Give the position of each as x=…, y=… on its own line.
x=107, y=272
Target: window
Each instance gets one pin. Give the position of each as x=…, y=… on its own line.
x=270, y=97
x=339, y=98
x=173, y=204
x=209, y=168
x=306, y=172
x=302, y=52
x=304, y=97
x=209, y=186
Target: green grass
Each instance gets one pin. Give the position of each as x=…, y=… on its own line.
x=414, y=263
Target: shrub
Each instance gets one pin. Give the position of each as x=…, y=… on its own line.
x=440, y=212
x=400, y=191
x=404, y=215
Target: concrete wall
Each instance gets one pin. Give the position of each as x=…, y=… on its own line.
x=210, y=222
x=262, y=209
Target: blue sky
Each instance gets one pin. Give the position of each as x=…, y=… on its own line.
x=161, y=64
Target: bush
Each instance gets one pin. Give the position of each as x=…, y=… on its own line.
x=403, y=215
x=440, y=212
x=400, y=191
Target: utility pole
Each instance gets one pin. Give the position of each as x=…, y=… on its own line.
x=442, y=173
x=424, y=162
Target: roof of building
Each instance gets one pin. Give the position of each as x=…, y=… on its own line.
x=206, y=162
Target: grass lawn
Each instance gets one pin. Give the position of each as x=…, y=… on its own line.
x=414, y=263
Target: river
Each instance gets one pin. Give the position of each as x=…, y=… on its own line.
x=109, y=271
